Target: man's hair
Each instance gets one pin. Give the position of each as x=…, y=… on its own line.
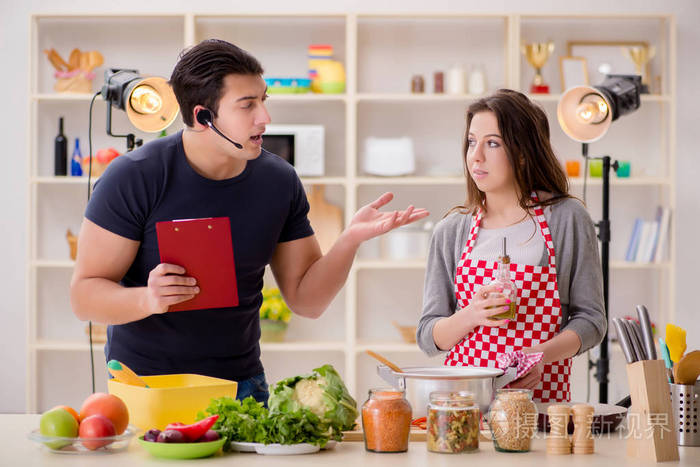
x=198, y=77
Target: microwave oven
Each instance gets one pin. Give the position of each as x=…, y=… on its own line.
x=300, y=145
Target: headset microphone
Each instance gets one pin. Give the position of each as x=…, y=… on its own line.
x=204, y=117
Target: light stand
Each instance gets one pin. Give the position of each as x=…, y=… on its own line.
x=585, y=114
x=602, y=365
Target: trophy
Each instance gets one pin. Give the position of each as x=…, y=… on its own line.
x=640, y=56
x=537, y=54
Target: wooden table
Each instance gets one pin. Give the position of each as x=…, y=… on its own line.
x=18, y=451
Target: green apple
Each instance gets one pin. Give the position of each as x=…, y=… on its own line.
x=58, y=422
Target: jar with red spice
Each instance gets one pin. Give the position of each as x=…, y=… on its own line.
x=386, y=420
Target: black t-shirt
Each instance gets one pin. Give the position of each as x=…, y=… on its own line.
x=266, y=205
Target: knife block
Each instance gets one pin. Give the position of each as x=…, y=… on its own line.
x=652, y=427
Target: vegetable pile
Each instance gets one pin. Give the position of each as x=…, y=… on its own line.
x=303, y=409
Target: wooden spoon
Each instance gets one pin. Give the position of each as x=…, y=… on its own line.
x=687, y=370
x=384, y=361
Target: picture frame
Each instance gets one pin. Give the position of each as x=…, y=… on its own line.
x=573, y=71
x=606, y=57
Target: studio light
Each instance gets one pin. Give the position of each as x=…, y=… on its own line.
x=149, y=103
x=586, y=112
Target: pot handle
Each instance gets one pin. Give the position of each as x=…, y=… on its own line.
x=508, y=377
x=388, y=375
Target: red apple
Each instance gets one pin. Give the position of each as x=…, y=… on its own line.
x=96, y=426
x=105, y=156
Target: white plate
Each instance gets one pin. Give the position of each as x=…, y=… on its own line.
x=241, y=446
x=330, y=444
x=286, y=449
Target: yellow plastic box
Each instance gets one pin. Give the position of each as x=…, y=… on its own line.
x=170, y=398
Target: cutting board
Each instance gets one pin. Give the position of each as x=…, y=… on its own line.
x=326, y=219
x=416, y=434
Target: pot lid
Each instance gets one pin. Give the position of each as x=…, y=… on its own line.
x=448, y=372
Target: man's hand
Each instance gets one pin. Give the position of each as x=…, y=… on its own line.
x=167, y=286
x=369, y=222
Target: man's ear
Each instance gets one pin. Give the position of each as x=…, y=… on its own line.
x=197, y=113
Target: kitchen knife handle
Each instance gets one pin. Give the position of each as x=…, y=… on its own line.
x=624, y=340
x=645, y=322
x=640, y=340
x=636, y=342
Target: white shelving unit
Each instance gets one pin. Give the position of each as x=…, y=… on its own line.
x=380, y=53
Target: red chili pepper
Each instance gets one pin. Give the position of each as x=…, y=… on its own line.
x=196, y=430
x=420, y=422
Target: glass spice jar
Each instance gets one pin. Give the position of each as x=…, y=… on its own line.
x=513, y=420
x=453, y=422
x=386, y=420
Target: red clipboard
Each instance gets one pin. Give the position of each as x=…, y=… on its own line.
x=204, y=248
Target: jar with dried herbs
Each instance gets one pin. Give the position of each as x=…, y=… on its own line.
x=386, y=420
x=453, y=422
x=513, y=420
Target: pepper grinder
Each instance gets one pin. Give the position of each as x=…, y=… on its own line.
x=583, y=439
x=558, y=439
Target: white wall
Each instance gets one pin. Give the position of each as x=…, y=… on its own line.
x=14, y=20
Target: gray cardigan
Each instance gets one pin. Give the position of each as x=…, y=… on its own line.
x=579, y=274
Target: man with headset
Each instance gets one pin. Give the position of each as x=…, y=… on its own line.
x=216, y=167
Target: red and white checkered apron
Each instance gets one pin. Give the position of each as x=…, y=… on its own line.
x=538, y=314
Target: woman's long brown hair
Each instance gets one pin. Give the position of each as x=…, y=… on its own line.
x=525, y=131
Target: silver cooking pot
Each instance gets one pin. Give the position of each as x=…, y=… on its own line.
x=419, y=382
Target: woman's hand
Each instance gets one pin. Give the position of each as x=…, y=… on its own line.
x=531, y=379
x=481, y=308
x=447, y=332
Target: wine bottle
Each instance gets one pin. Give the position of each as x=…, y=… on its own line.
x=60, y=157
x=76, y=162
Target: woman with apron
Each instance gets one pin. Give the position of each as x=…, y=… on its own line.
x=516, y=189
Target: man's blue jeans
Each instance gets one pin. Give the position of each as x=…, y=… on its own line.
x=255, y=386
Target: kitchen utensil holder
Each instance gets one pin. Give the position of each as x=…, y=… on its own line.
x=685, y=400
x=651, y=422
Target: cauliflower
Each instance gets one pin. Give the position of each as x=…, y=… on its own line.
x=322, y=392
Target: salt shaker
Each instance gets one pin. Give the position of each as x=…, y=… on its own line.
x=558, y=439
x=583, y=439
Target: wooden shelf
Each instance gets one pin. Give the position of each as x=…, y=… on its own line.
x=81, y=346
x=365, y=61
x=67, y=346
x=51, y=180
x=427, y=97
x=323, y=180
x=389, y=264
x=615, y=181
x=309, y=97
x=64, y=97
x=302, y=346
x=410, y=180
x=53, y=264
x=556, y=97
x=387, y=347
x=630, y=265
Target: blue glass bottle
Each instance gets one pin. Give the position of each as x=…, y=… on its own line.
x=76, y=161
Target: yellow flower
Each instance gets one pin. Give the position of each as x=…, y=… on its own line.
x=273, y=306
